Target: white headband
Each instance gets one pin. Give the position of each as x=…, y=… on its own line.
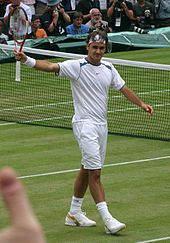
x=97, y=38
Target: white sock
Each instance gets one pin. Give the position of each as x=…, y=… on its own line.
x=76, y=204
x=103, y=210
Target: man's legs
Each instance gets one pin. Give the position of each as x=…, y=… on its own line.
x=81, y=183
x=92, y=140
x=112, y=225
x=76, y=217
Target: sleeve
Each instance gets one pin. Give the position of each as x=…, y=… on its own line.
x=68, y=29
x=7, y=10
x=70, y=69
x=117, y=81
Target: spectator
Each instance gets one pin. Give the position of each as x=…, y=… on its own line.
x=41, y=7
x=10, y=7
x=37, y=31
x=162, y=13
x=144, y=14
x=96, y=21
x=77, y=28
x=30, y=3
x=122, y=17
x=85, y=6
x=55, y=19
x=3, y=37
x=120, y=13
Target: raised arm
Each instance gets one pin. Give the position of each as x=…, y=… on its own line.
x=42, y=65
x=131, y=96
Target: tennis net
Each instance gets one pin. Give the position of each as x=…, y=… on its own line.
x=45, y=99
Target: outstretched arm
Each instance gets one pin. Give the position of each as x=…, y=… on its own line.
x=130, y=95
x=42, y=65
x=25, y=227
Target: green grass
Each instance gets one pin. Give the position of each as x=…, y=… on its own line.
x=148, y=55
x=137, y=193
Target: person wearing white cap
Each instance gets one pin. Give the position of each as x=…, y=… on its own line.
x=55, y=19
x=91, y=78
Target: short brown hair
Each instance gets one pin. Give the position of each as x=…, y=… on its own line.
x=97, y=36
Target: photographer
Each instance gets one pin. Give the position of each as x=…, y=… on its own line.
x=144, y=14
x=55, y=19
x=96, y=21
x=120, y=13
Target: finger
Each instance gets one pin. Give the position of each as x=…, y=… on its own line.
x=149, y=109
x=15, y=198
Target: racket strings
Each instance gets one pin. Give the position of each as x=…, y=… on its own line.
x=18, y=24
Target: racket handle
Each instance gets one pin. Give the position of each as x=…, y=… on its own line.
x=18, y=71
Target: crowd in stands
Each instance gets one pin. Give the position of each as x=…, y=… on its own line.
x=62, y=17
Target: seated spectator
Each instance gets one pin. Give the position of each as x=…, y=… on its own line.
x=70, y=5
x=144, y=14
x=37, y=31
x=85, y=6
x=77, y=28
x=55, y=19
x=3, y=37
x=122, y=17
x=162, y=13
x=40, y=7
x=96, y=21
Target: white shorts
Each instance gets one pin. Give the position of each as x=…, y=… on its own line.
x=92, y=140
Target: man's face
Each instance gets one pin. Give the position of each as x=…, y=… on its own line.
x=96, y=51
x=96, y=15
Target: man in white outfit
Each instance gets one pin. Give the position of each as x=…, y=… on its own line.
x=90, y=81
x=9, y=9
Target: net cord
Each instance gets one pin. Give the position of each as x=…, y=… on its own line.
x=77, y=56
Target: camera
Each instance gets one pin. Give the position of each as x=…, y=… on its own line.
x=145, y=21
x=118, y=3
x=147, y=13
x=60, y=5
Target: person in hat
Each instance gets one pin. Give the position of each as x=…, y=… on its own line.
x=55, y=19
x=91, y=77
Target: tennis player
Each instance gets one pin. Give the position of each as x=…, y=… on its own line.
x=90, y=78
x=25, y=227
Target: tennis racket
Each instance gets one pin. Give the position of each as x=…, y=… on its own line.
x=19, y=29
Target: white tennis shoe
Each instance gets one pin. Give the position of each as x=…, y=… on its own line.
x=79, y=219
x=112, y=226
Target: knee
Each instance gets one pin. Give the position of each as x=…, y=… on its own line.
x=94, y=175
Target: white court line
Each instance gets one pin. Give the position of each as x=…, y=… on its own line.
x=8, y=123
x=62, y=117
x=154, y=240
x=71, y=102
x=108, y=165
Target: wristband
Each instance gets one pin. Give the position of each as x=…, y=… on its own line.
x=30, y=62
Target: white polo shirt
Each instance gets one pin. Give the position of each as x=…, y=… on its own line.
x=90, y=85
